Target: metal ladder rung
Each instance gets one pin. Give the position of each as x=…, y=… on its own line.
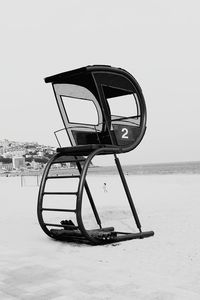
x=59, y=193
x=58, y=209
x=68, y=176
x=58, y=225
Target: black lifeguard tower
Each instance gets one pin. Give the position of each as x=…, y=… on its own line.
x=107, y=129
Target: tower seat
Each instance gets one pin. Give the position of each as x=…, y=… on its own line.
x=87, y=149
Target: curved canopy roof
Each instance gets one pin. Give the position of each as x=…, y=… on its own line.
x=106, y=82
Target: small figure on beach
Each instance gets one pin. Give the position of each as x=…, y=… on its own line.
x=105, y=187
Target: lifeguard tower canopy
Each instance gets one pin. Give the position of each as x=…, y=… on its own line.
x=101, y=106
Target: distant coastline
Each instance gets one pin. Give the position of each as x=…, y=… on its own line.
x=192, y=167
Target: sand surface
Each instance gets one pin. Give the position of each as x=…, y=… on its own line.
x=166, y=266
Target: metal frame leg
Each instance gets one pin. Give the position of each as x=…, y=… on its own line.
x=128, y=194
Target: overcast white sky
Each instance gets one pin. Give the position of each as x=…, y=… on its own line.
x=156, y=41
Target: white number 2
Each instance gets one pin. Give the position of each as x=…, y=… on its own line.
x=125, y=133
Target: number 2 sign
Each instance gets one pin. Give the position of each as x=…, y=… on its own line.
x=124, y=133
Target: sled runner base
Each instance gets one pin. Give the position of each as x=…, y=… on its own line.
x=101, y=236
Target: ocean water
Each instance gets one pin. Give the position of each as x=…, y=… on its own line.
x=165, y=168
x=157, y=169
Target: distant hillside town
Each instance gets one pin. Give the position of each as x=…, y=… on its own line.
x=19, y=156
x=27, y=157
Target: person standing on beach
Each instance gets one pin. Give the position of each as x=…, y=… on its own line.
x=105, y=187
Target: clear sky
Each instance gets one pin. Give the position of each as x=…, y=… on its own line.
x=156, y=41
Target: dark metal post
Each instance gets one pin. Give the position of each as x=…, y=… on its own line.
x=90, y=197
x=128, y=194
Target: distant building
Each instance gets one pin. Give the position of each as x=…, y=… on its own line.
x=18, y=153
x=35, y=165
x=7, y=155
x=5, y=143
x=18, y=162
x=50, y=151
x=7, y=167
x=40, y=153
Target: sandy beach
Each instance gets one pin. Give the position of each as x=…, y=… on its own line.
x=162, y=267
